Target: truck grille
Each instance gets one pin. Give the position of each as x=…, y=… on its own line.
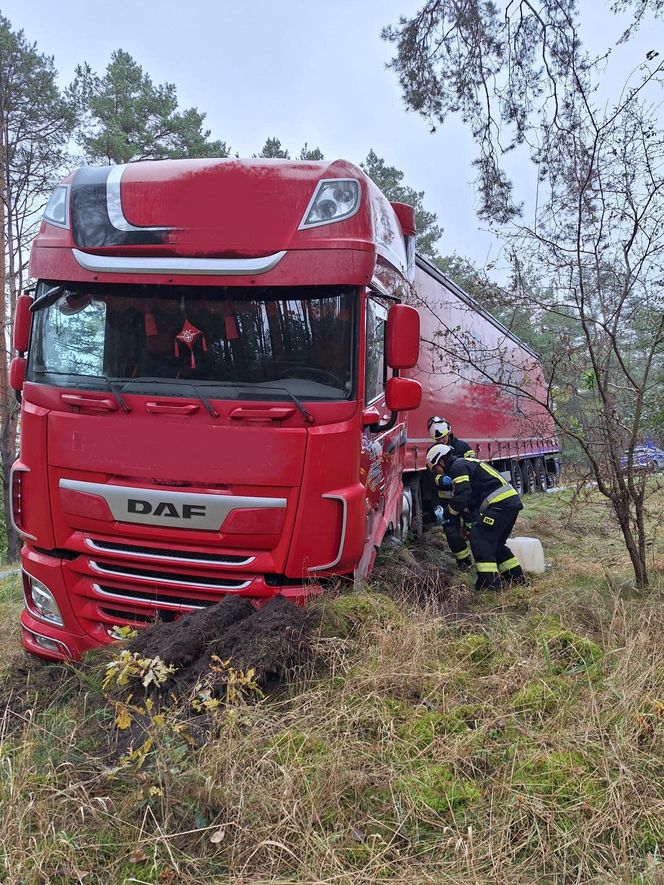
x=139, y=574
x=187, y=556
x=152, y=598
x=134, y=584
x=122, y=617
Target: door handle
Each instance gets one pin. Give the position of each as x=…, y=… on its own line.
x=172, y=408
x=97, y=403
x=271, y=413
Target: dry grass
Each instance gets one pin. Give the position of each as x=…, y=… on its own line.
x=520, y=740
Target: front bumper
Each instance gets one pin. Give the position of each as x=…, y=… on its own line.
x=104, y=590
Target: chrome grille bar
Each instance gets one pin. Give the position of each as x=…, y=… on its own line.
x=175, y=556
x=119, y=572
x=156, y=600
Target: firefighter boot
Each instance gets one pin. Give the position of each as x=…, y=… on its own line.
x=511, y=572
x=487, y=576
x=464, y=564
x=513, y=576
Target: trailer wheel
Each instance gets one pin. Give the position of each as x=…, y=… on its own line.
x=529, y=477
x=517, y=476
x=540, y=474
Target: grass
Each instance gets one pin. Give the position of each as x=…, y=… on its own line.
x=518, y=739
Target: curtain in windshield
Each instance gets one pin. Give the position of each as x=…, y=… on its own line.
x=300, y=338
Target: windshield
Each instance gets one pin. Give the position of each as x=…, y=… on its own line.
x=229, y=340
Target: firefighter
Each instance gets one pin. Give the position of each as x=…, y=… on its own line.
x=479, y=488
x=455, y=530
x=440, y=431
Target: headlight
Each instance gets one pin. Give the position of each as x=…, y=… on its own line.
x=334, y=199
x=41, y=601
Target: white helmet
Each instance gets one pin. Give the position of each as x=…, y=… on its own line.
x=438, y=427
x=436, y=454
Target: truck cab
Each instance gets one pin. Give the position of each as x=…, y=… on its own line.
x=212, y=399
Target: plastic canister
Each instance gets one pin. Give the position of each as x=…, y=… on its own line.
x=529, y=552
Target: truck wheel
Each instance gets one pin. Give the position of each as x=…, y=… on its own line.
x=517, y=476
x=406, y=519
x=417, y=522
x=529, y=477
x=540, y=475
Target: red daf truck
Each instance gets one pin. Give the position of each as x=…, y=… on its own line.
x=214, y=372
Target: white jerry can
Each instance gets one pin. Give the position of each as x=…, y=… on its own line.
x=529, y=552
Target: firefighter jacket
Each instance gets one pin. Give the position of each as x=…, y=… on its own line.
x=476, y=485
x=460, y=449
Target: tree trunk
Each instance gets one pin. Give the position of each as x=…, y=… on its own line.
x=8, y=410
x=7, y=454
x=638, y=559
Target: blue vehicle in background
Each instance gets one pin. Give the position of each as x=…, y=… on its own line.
x=647, y=456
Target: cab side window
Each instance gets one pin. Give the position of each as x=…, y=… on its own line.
x=375, y=367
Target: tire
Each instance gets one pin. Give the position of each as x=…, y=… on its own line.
x=540, y=475
x=517, y=477
x=552, y=466
x=529, y=477
x=417, y=523
x=406, y=518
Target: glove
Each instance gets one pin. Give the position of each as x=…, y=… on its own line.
x=446, y=482
x=439, y=515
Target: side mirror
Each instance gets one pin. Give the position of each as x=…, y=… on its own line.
x=17, y=373
x=402, y=340
x=402, y=394
x=22, y=320
x=370, y=416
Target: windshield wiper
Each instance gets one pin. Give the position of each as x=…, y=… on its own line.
x=306, y=414
x=308, y=417
x=199, y=393
x=117, y=395
x=106, y=383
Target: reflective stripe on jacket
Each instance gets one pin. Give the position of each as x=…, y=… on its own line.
x=476, y=485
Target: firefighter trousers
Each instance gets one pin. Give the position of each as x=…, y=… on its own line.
x=456, y=542
x=494, y=561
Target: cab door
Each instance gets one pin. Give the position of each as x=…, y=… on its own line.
x=382, y=453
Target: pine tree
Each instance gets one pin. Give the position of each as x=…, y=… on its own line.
x=390, y=180
x=272, y=149
x=127, y=117
x=36, y=122
x=308, y=153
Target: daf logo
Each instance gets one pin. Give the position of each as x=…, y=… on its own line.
x=190, y=510
x=165, y=509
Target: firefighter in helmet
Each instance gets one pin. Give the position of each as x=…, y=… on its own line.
x=479, y=488
x=440, y=431
x=455, y=530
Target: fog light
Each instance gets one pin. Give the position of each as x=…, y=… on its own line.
x=47, y=644
x=41, y=601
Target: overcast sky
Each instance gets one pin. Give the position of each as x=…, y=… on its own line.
x=302, y=71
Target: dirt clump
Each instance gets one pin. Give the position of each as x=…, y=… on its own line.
x=181, y=643
x=270, y=640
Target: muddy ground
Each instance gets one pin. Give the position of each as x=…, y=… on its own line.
x=273, y=640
